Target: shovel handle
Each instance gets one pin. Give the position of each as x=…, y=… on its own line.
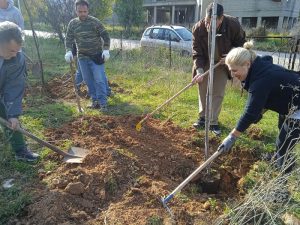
x=73, y=71
x=44, y=143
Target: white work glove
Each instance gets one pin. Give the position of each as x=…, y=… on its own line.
x=69, y=56
x=105, y=55
x=14, y=123
x=227, y=143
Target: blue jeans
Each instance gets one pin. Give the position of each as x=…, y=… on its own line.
x=288, y=137
x=95, y=79
x=78, y=76
x=79, y=79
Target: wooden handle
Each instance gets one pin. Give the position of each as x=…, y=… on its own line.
x=44, y=143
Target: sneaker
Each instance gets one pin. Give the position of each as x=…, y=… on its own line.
x=95, y=105
x=26, y=155
x=200, y=124
x=215, y=129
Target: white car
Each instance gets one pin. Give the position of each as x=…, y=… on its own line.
x=178, y=37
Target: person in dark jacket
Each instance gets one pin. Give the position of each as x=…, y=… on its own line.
x=12, y=84
x=269, y=87
x=229, y=34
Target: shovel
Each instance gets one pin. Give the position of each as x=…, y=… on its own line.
x=73, y=71
x=74, y=155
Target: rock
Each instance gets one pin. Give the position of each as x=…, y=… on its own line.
x=62, y=183
x=75, y=188
x=161, y=154
x=41, y=171
x=206, y=205
x=290, y=219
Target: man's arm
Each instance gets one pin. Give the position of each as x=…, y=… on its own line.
x=239, y=37
x=197, y=51
x=14, y=85
x=69, y=37
x=104, y=35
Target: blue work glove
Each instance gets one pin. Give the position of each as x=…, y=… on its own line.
x=227, y=143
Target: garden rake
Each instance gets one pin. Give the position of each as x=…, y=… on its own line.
x=74, y=155
x=165, y=200
x=138, y=126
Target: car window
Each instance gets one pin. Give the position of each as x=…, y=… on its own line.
x=184, y=33
x=147, y=32
x=171, y=34
x=157, y=33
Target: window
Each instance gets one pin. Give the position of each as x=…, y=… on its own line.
x=147, y=32
x=157, y=33
x=171, y=34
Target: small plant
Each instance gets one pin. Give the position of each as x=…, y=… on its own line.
x=213, y=203
x=182, y=197
x=154, y=220
x=111, y=185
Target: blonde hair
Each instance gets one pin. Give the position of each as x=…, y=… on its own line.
x=238, y=56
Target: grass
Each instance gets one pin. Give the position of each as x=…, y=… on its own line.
x=147, y=81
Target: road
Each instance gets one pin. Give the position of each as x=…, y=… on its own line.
x=279, y=57
x=114, y=43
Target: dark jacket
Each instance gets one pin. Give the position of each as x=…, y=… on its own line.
x=270, y=87
x=229, y=35
x=12, y=84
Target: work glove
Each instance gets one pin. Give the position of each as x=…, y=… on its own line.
x=198, y=78
x=227, y=143
x=69, y=56
x=105, y=55
x=14, y=123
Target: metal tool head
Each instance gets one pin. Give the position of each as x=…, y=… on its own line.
x=164, y=202
x=138, y=126
x=75, y=155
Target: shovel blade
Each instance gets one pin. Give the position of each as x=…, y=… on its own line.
x=76, y=155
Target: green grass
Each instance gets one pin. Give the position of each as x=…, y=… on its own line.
x=144, y=81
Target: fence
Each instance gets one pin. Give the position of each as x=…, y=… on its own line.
x=283, y=49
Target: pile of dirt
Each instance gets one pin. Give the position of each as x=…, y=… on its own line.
x=126, y=173
x=63, y=88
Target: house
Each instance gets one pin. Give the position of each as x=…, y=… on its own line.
x=275, y=14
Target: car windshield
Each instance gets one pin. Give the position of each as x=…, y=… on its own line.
x=184, y=33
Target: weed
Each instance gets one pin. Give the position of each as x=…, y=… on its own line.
x=111, y=185
x=182, y=197
x=154, y=220
x=213, y=203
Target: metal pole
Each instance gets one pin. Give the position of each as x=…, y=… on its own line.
x=19, y=6
x=211, y=47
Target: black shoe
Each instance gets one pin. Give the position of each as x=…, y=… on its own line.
x=94, y=105
x=26, y=155
x=215, y=129
x=200, y=124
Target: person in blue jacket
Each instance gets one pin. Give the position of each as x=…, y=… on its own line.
x=8, y=12
x=12, y=84
x=269, y=87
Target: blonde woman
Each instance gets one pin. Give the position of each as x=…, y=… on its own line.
x=269, y=87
